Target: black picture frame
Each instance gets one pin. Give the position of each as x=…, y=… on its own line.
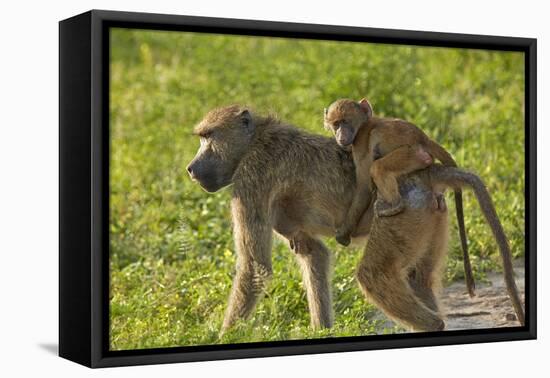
x=84, y=187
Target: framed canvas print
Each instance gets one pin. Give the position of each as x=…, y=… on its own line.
x=234, y=188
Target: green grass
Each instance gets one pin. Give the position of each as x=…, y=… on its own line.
x=172, y=256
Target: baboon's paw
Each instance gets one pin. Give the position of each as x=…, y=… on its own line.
x=385, y=209
x=432, y=325
x=440, y=326
x=424, y=157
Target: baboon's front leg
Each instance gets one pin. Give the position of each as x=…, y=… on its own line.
x=315, y=263
x=362, y=198
x=253, y=240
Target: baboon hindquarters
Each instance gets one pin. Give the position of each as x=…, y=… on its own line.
x=400, y=269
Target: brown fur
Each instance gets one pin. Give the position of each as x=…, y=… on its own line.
x=286, y=181
x=383, y=150
x=297, y=184
x=401, y=267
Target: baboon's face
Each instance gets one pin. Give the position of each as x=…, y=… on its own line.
x=225, y=135
x=344, y=118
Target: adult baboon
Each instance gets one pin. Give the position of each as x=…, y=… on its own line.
x=284, y=180
x=288, y=181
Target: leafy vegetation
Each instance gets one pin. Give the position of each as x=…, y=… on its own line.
x=171, y=247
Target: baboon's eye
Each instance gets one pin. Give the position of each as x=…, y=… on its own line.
x=205, y=137
x=340, y=123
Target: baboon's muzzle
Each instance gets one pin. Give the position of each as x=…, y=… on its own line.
x=204, y=175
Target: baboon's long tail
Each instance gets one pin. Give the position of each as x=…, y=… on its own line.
x=470, y=282
x=442, y=155
x=456, y=178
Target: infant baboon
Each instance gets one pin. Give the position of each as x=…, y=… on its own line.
x=401, y=267
x=383, y=150
x=298, y=185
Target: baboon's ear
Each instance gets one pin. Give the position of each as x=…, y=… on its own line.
x=246, y=118
x=325, y=112
x=366, y=106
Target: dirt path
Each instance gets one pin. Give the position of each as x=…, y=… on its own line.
x=491, y=306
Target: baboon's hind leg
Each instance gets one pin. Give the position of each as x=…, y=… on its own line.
x=382, y=275
x=425, y=277
x=422, y=288
x=422, y=279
